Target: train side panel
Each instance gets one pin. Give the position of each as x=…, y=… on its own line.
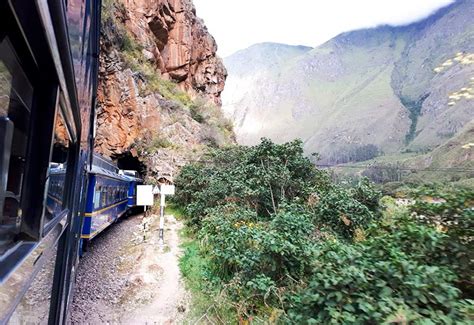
x=106, y=203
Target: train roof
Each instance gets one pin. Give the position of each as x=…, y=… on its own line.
x=97, y=170
x=131, y=174
x=104, y=163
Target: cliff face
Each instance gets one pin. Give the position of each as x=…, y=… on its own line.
x=178, y=42
x=157, y=60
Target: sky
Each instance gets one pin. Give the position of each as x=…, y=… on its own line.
x=238, y=24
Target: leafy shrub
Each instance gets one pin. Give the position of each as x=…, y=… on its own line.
x=258, y=258
x=451, y=210
x=340, y=212
x=396, y=274
x=287, y=245
x=259, y=178
x=367, y=194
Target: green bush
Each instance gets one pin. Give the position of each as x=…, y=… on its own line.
x=451, y=210
x=259, y=178
x=258, y=258
x=396, y=272
x=366, y=193
x=340, y=212
x=286, y=245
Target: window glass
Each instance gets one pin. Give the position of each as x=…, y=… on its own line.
x=97, y=194
x=104, y=196
x=34, y=307
x=16, y=94
x=55, y=201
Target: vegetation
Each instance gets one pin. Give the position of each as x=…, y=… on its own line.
x=277, y=241
x=217, y=128
x=151, y=144
x=353, y=153
x=414, y=108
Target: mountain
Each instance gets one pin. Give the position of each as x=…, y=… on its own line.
x=160, y=84
x=363, y=93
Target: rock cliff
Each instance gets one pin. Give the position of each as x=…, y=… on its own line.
x=158, y=67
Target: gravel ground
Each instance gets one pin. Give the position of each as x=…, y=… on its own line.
x=125, y=279
x=102, y=279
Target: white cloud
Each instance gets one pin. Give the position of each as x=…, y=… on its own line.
x=237, y=24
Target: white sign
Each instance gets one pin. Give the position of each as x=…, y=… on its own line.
x=156, y=190
x=167, y=189
x=144, y=195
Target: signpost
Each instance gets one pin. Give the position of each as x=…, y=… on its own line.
x=144, y=198
x=145, y=195
x=164, y=190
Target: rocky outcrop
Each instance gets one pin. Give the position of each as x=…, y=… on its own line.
x=173, y=44
x=178, y=42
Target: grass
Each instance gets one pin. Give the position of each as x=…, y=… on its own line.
x=175, y=210
x=207, y=299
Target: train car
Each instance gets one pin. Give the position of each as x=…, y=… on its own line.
x=107, y=198
x=134, y=180
x=48, y=82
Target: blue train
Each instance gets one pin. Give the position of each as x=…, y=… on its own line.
x=49, y=54
x=111, y=194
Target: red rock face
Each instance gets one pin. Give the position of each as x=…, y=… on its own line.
x=177, y=44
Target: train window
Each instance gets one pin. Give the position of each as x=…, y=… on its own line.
x=55, y=201
x=104, y=196
x=110, y=195
x=97, y=193
x=16, y=95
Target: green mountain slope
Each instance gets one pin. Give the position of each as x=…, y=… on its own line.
x=364, y=93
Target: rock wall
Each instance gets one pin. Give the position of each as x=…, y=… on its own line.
x=177, y=45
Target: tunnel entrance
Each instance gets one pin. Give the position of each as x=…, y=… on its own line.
x=127, y=161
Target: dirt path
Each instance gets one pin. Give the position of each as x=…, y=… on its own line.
x=125, y=279
x=161, y=277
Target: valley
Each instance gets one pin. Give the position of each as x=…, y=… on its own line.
x=364, y=94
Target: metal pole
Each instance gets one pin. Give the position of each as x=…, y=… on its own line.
x=144, y=224
x=162, y=218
